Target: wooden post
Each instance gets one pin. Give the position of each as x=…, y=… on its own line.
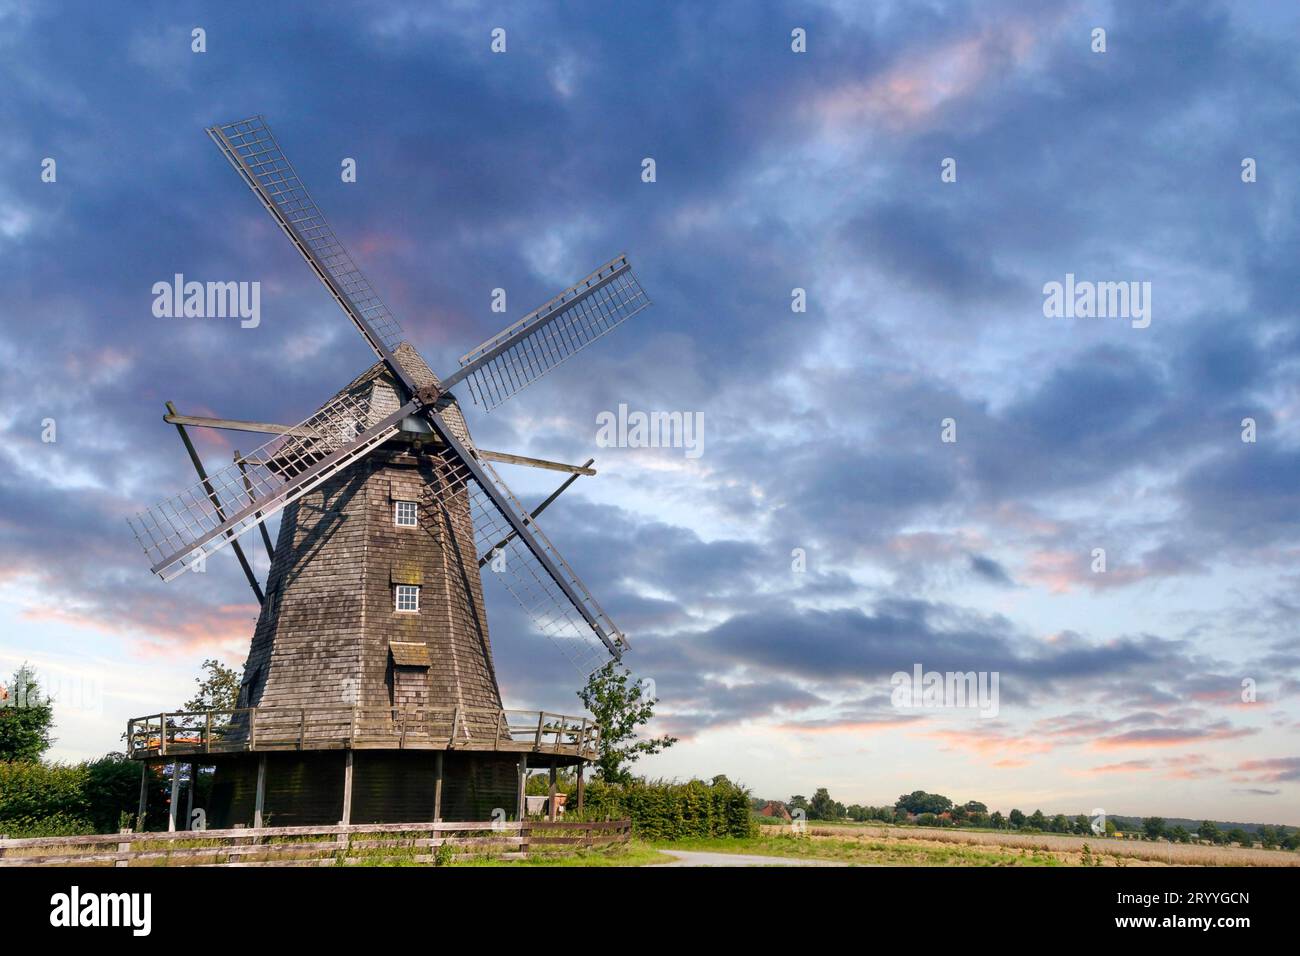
x=261, y=792
x=123, y=848
x=144, y=794
x=582, y=790
x=550, y=801
x=523, y=781
x=176, y=796
x=437, y=788
x=347, y=789
x=189, y=799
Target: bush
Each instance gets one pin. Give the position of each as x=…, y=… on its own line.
x=663, y=810
x=31, y=791
x=54, y=799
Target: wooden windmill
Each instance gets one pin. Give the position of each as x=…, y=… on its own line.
x=370, y=693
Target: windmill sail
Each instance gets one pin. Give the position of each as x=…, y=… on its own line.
x=257, y=157
x=521, y=354
x=183, y=529
x=582, y=630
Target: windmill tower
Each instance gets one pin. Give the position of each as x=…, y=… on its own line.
x=370, y=690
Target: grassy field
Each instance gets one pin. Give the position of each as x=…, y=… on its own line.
x=1022, y=849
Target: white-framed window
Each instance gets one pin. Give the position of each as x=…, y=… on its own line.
x=407, y=598
x=404, y=514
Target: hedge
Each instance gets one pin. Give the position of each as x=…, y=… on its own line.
x=56, y=799
x=664, y=810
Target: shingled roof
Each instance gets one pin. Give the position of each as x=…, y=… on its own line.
x=377, y=387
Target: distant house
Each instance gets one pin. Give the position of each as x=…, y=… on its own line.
x=776, y=809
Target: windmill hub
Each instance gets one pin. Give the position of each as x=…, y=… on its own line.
x=370, y=690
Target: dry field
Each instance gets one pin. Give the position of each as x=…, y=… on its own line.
x=1067, y=850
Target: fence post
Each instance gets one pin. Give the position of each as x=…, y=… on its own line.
x=162, y=734
x=123, y=848
x=541, y=719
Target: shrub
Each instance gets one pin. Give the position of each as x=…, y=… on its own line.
x=54, y=799
x=664, y=810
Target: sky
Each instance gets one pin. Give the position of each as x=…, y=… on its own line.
x=826, y=536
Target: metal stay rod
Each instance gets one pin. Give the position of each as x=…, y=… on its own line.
x=216, y=503
x=535, y=512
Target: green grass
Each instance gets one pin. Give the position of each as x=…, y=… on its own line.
x=634, y=853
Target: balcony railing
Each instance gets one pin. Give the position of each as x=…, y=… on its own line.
x=326, y=728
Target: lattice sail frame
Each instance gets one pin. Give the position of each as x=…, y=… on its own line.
x=250, y=140
x=506, y=557
x=519, y=355
x=185, y=528
x=545, y=604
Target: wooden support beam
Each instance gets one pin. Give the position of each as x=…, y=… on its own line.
x=176, y=796
x=271, y=428
x=260, y=798
x=216, y=503
x=189, y=798
x=347, y=788
x=144, y=795
x=523, y=785
x=437, y=788
x=265, y=428
x=509, y=459
x=582, y=790
x=550, y=800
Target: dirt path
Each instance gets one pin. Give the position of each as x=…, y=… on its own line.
x=697, y=858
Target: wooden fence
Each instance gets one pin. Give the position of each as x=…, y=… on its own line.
x=313, y=846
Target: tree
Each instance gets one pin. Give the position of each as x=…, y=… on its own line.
x=26, y=716
x=1208, y=831
x=218, y=688
x=799, y=802
x=1060, y=823
x=1082, y=825
x=1037, y=820
x=997, y=821
x=1016, y=818
x=822, y=807
x=918, y=801
x=974, y=806
x=619, y=708
x=1240, y=837
x=1154, y=827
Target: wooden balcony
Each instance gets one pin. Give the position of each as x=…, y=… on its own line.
x=262, y=729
